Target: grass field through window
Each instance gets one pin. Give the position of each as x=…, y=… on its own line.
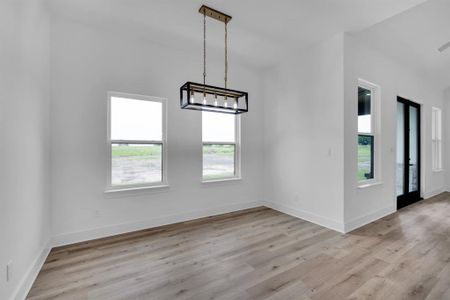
x=218, y=161
x=364, y=161
x=140, y=164
x=136, y=164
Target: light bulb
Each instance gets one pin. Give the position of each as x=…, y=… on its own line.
x=235, y=106
x=192, y=98
x=204, y=100
x=215, y=100
x=225, y=104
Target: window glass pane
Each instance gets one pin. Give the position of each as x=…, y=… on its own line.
x=217, y=127
x=400, y=148
x=436, y=136
x=434, y=151
x=218, y=161
x=413, y=149
x=364, y=110
x=136, y=164
x=365, y=157
x=438, y=124
x=433, y=123
x=135, y=119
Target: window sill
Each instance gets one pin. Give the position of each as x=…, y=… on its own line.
x=137, y=188
x=438, y=170
x=222, y=180
x=370, y=184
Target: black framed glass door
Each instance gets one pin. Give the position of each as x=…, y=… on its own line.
x=408, y=152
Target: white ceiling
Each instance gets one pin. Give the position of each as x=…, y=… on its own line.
x=414, y=37
x=260, y=33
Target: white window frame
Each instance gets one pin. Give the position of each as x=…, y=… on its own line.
x=124, y=187
x=237, y=152
x=375, y=132
x=436, y=139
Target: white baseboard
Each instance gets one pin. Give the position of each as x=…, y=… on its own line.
x=95, y=233
x=366, y=219
x=307, y=216
x=27, y=281
x=430, y=194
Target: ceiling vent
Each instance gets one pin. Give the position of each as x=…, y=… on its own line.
x=444, y=47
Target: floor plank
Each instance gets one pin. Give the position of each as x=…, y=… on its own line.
x=261, y=254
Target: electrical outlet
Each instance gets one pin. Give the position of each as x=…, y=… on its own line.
x=9, y=271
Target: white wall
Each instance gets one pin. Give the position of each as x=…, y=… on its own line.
x=86, y=63
x=304, y=134
x=310, y=132
x=24, y=141
x=363, y=205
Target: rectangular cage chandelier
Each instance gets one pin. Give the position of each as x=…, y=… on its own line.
x=203, y=97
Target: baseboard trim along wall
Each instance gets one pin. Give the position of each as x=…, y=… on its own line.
x=430, y=194
x=30, y=276
x=366, y=219
x=101, y=232
x=307, y=216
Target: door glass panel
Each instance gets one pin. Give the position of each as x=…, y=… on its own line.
x=413, y=153
x=400, y=148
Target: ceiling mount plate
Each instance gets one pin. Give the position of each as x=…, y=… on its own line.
x=215, y=14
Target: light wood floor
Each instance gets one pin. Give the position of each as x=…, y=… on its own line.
x=261, y=254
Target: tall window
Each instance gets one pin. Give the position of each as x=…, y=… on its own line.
x=137, y=135
x=367, y=93
x=436, y=138
x=220, y=134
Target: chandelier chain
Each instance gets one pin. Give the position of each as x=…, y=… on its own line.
x=204, y=47
x=226, y=54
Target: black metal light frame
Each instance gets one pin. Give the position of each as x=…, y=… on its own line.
x=224, y=100
x=190, y=88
